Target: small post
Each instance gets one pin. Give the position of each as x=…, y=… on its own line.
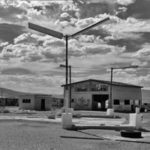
x=68, y=92
x=110, y=110
x=110, y=92
x=70, y=96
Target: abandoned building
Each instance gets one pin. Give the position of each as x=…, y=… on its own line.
x=42, y=102
x=94, y=95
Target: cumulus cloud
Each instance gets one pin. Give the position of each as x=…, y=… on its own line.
x=2, y=44
x=32, y=83
x=125, y=2
x=144, y=52
x=12, y=14
x=91, y=8
x=54, y=43
x=14, y=51
x=124, y=35
x=145, y=80
x=131, y=24
x=24, y=38
x=19, y=12
x=32, y=47
x=39, y=40
x=107, y=44
x=65, y=15
x=31, y=51
x=131, y=32
x=127, y=76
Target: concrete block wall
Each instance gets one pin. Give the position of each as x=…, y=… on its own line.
x=28, y=106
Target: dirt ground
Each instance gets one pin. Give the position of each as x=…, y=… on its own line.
x=22, y=135
x=42, y=136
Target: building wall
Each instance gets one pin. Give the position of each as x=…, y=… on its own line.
x=57, y=102
x=82, y=99
x=48, y=102
x=35, y=102
x=126, y=93
x=82, y=94
x=28, y=106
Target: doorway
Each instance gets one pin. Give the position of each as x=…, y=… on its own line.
x=99, y=102
x=42, y=104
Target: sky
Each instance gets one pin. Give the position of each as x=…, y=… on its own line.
x=29, y=60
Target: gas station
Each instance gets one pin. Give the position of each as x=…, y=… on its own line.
x=135, y=120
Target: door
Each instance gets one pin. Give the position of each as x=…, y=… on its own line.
x=99, y=102
x=42, y=104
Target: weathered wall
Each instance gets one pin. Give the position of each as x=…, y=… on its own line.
x=82, y=101
x=48, y=102
x=28, y=106
x=82, y=94
x=35, y=103
x=122, y=93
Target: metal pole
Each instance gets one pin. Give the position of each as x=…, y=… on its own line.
x=111, y=79
x=111, y=93
x=70, y=86
x=66, y=61
x=60, y=35
x=67, y=98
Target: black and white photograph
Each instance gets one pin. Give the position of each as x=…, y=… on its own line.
x=74, y=74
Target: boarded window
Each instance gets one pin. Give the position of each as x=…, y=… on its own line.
x=104, y=88
x=127, y=102
x=26, y=100
x=116, y=102
x=81, y=89
x=99, y=87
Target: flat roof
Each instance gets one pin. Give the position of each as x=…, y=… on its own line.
x=107, y=82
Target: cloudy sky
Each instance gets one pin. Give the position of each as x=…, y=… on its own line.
x=29, y=60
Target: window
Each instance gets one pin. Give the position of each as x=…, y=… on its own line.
x=127, y=102
x=99, y=87
x=104, y=88
x=116, y=102
x=26, y=100
x=80, y=89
